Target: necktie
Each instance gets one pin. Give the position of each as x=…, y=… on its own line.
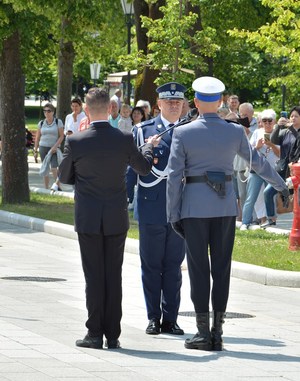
x=171, y=131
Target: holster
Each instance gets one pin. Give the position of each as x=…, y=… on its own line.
x=216, y=180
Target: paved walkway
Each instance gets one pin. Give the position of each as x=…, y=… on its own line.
x=240, y=270
x=42, y=313
x=40, y=321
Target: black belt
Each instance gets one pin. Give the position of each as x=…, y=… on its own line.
x=202, y=179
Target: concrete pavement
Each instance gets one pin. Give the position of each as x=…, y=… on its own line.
x=240, y=270
x=43, y=312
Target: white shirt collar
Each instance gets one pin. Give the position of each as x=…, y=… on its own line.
x=166, y=122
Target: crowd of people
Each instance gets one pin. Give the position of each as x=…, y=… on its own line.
x=187, y=198
x=275, y=139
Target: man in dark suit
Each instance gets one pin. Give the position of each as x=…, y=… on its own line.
x=95, y=161
x=161, y=249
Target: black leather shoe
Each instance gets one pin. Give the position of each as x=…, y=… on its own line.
x=153, y=327
x=171, y=328
x=90, y=342
x=112, y=344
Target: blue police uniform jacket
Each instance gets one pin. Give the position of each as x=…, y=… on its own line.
x=151, y=192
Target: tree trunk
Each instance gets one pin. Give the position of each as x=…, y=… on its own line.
x=15, y=188
x=194, y=49
x=145, y=86
x=65, y=76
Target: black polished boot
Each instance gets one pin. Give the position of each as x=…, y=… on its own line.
x=217, y=330
x=202, y=339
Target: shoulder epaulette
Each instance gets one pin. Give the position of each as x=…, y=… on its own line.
x=149, y=122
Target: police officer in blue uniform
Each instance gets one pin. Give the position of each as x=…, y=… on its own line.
x=161, y=249
x=201, y=204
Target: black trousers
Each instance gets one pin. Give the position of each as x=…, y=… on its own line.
x=102, y=259
x=217, y=234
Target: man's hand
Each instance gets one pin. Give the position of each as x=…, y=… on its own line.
x=259, y=143
x=178, y=228
x=153, y=140
x=282, y=122
x=285, y=195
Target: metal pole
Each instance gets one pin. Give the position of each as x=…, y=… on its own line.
x=283, y=87
x=128, y=21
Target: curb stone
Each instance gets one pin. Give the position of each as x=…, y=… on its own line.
x=253, y=273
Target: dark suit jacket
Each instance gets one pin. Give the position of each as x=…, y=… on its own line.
x=95, y=161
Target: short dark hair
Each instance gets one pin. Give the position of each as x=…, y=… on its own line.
x=77, y=100
x=50, y=105
x=295, y=108
x=97, y=99
x=141, y=110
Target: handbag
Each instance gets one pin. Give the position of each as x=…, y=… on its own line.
x=281, y=167
x=280, y=208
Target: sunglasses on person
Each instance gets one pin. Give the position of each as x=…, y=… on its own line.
x=267, y=120
x=47, y=110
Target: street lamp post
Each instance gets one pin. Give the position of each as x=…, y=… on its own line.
x=95, y=71
x=128, y=10
x=283, y=86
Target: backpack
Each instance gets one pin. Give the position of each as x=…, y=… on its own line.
x=42, y=121
x=29, y=138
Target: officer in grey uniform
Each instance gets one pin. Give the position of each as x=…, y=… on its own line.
x=161, y=249
x=202, y=206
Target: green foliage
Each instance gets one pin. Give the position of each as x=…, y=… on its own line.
x=184, y=43
x=279, y=38
x=170, y=43
x=92, y=28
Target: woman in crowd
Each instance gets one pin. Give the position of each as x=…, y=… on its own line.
x=295, y=149
x=137, y=115
x=50, y=134
x=283, y=135
x=145, y=105
x=260, y=139
x=73, y=120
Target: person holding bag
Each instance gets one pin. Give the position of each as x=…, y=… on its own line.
x=50, y=134
x=284, y=135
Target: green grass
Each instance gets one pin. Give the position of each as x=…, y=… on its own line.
x=33, y=116
x=47, y=207
x=56, y=208
x=261, y=248
x=32, y=123
x=256, y=247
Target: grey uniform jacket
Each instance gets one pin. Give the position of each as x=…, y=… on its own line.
x=209, y=144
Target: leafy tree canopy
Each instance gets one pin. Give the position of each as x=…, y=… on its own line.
x=279, y=39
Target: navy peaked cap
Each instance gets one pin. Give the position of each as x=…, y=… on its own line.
x=171, y=90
